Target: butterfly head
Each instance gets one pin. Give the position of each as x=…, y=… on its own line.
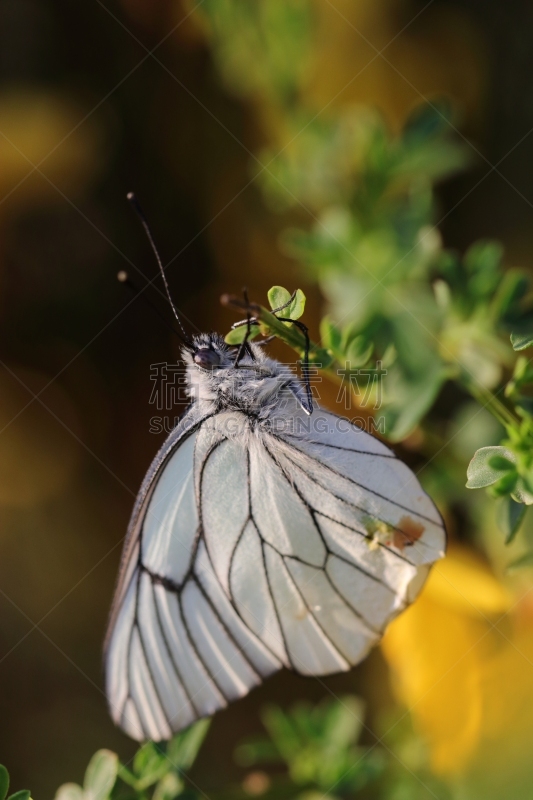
x=210, y=352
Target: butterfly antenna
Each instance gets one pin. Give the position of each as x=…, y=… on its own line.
x=124, y=278
x=138, y=210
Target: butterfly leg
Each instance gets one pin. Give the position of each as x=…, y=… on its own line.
x=305, y=364
x=245, y=347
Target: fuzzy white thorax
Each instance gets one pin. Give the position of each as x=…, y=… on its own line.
x=258, y=385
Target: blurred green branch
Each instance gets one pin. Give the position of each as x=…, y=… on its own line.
x=318, y=746
x=156, y=772
x=431, y=316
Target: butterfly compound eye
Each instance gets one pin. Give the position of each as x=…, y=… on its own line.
x=206, y=358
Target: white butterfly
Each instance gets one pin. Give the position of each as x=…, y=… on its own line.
x=262, y=537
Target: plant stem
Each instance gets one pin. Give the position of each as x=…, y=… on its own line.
x=290, y=334
x=488, y=400
x=324, y=359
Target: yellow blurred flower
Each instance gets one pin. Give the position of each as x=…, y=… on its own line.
x=442, y=652
x=462, y=662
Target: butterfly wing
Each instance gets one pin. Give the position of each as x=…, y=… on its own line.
x=176, y=648
x=375, y=529
x=332, y=537
x=249, y=551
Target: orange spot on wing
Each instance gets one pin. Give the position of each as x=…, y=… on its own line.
x=407, y=533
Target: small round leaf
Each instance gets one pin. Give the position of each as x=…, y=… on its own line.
x=480, y=473
x=521, y=340
x=4, y=781
x=297, y=307
x=510, y=517
x=22, y=794
x=236, y=335
x=278, y=296
x=100, y=775
x=69, y=791
x=358, y=351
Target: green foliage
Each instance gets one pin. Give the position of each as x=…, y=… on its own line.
x=395, y=296
x=260, y=47
x=100, y=777
x=150, y=765
x=237, y=335
x=284, y=305
x=22, y=794
x=382, y=267
x=287, y=305
x=507, y=470
x=521, y=341
x=183, y=748
x=157, y=771
x=319, y=746
x=510, y=516
x=490, y=465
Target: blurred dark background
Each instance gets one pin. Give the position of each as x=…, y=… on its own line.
x=99, y=98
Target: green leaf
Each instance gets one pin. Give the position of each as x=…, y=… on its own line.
x=127, y=775
x=521, y=340
x=168, y=787
x=69, y=791
x=183, y=748
x=525, y=560
x=359, y=351
x=330, y=335
x=22, y=794
x=344, y=722
x=522, y=376
x=500, y=463
x=297, y=307
x=4, y=782
x=510, y=516
x=100, y=775
x=236, y=335
x=278, y=296
x=150, y=765
x=484, y=256
x=410, y=401
x=253, y=751
x=507, y=484
x=282, y=732
x=522, y=493
x=508, y=298
x=144, y=757
x=480, y=473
